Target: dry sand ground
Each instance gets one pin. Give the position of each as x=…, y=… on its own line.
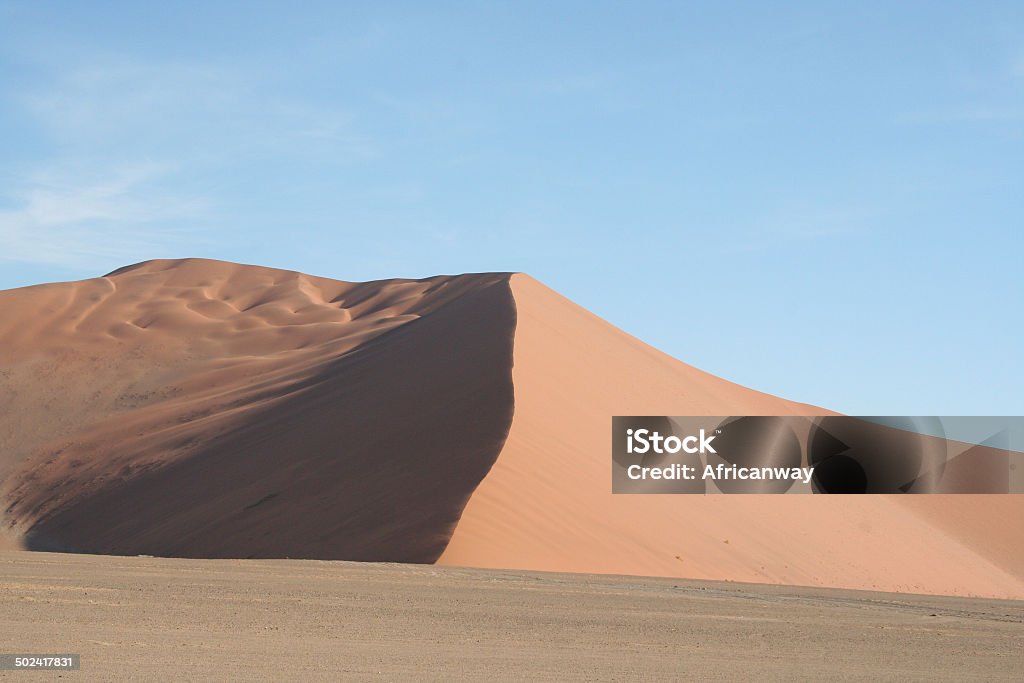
x=150, y=619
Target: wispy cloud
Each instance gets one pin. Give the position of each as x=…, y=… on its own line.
x=992, y=96
x=140, y=153
x=963, y=114
x=67, y=219
x=188, y=108
x=800, y=223
x=572, y=84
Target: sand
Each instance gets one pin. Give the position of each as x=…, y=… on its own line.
x=546, y=504
x=173, y=619
x=205, y=409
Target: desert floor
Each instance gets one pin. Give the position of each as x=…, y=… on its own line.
x=152, y=618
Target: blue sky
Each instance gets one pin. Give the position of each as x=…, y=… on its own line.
x=820, y=200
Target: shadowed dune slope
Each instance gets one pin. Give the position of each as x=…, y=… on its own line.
x=205, y=409
x=547, y=502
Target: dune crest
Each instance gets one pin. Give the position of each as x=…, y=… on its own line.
x=199, y=408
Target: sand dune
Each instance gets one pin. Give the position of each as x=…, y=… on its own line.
x=546, y=502
x=203, y=409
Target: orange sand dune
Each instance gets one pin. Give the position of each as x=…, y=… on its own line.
x=546, y=502
x=205, y=409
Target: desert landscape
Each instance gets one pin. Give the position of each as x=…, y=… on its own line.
x=257, y=431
